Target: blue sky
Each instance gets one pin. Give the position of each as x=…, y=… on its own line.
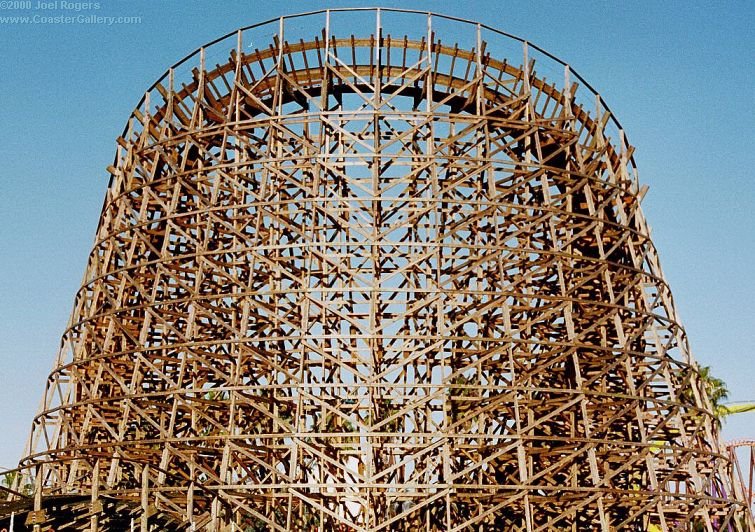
x=680, y=76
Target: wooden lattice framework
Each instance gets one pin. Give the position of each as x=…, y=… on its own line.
x=742, y=455
x=394, y=280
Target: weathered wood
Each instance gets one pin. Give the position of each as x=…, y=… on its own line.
x=376, y=282
x=144, y=518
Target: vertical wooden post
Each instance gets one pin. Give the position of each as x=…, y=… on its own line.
x=95, y=503
x=214, y=514
x=144, y=520
x=190, y=503
x=38, y=498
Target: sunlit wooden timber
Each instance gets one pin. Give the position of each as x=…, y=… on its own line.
x=371, y=270
x=742, y=454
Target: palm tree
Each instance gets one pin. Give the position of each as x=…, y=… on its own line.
x=717, y=393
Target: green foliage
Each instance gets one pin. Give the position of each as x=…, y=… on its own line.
x=717, y=392
x=9, y=479
x=217, y=395
x=714, y=387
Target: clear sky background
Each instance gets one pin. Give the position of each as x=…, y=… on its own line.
x=680, y=76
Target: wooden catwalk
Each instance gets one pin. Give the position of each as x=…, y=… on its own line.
x=374, y=269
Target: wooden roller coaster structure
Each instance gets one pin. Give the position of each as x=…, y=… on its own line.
x=369, y=270
x=742, y=455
